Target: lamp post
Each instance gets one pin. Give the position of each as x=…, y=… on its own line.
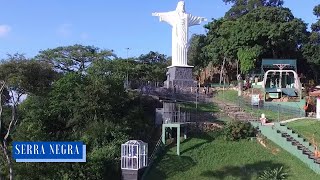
x=127, y=74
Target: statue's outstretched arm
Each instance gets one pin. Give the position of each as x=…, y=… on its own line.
x=165, y=16
x=195, y=20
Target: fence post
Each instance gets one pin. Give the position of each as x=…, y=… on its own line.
x=179, y=115
x=278, y=112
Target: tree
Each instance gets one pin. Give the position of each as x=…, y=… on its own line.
x=247, y=58
x=242, y=7
x=18, y=78
x=151, y=67
x=92, y=107
x=271, y=32
x=74, y=58
x=316, y=10
x=152, y=57
x=147, y=67
x=218, y=48
x=311, y=49
x=195, y=55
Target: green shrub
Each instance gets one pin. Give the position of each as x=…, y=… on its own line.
x=273, y=174
x=236, y=130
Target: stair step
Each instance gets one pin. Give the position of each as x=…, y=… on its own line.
x=290, y=138
x=307, y=152
x=296, y=142
x=311, y=156
x=300, y=147
x=304, y=149
x=317, y=160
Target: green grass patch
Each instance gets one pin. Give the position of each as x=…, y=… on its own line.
x=231, y=96
x=201, y=107
x=307, y=128
x=206, y=157
x=205, y=108
x=224, y=118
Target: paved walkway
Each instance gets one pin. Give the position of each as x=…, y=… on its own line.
x=295, y=119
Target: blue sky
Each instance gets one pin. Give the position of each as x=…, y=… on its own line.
x=33, y=25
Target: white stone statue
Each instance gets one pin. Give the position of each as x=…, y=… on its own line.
x=180, y=22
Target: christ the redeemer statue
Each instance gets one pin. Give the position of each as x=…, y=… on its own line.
x=180, y=22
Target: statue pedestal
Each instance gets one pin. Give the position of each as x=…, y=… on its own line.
x=180, y=77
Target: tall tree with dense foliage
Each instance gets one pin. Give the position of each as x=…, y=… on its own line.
x=242, y=7
x=19, y=77
x=247, y=58
x=74, y=58
x=311, y=50
x=269, y=32
x=92, y=107
x=195, y=55
x=153, y=65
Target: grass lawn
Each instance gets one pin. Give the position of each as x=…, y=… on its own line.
x=306, y=128
x=201, y=107
x=206, y=157
x=205, y=108
x=231, y=96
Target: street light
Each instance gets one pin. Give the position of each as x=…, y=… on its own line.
x=127, y=76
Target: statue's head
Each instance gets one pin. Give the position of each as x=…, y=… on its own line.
x=180, y=6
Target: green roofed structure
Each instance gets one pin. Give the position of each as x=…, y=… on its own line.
x=281, y=83
x=274, y=64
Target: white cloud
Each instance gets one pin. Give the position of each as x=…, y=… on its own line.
x=4, y=30
x=84, y=35
x=64, y=30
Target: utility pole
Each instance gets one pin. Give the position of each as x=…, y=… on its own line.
x=127, y=74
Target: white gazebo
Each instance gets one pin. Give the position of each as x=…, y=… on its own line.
x=134, y=155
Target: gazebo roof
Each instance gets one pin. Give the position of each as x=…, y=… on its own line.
x=135, y=142
x=315, y=93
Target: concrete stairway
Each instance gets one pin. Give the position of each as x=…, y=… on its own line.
x=236, y=113
x=291, y=142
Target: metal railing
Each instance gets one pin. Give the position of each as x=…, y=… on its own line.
x=277, y=111
x=176, y=117
x=158, y=148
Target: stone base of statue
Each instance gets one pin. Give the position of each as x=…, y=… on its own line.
x=180, y=77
